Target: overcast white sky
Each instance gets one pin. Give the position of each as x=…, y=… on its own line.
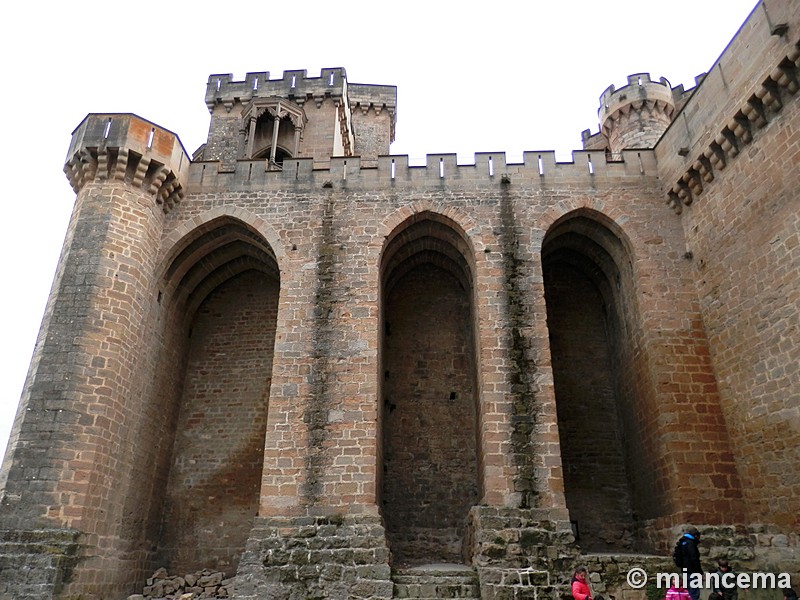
x=472, y=77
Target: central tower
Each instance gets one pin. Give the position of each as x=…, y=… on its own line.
x=297, y=117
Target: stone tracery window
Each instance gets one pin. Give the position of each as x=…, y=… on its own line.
x=272, y=128
x=281, y=154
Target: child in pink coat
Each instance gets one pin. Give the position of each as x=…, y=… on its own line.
x=580, y=584
x=676, y=592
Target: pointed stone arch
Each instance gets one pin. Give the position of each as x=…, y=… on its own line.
x=429, y=457
x=612, y=216
x=183, y=232
x=219, y=297
x=437, y=210
x=595, y=329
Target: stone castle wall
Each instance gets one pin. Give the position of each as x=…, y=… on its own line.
x=316, y=376
x=739, y=208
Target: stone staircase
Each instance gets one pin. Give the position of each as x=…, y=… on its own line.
x=436, y=581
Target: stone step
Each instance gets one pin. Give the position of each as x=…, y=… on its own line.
x=431, y=582
x=441, y=593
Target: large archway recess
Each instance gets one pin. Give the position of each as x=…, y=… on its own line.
x=220, y=292
x=593, y=323
x=429, y=450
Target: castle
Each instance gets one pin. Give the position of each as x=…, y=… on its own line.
x=300, y=361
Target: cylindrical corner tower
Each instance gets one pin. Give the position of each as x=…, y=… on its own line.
x=636, y=116
x=69, y=481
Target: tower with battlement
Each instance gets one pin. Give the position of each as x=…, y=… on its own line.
x=638, y=114
x=301, y=363
x=297, y=116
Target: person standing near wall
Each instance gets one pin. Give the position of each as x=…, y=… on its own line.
x=580, y=584
x=687, y=557
x=724, y=587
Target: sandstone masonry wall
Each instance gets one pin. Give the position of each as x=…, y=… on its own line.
x=676, y=267
x=736, y=187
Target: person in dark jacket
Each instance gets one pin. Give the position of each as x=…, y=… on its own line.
x=725, y=588
x=580, y=584
x=690, y=558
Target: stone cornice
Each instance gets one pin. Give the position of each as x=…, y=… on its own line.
x=758, y=110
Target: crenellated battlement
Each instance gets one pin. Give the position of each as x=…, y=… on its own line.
x=587, y=168
x=298, y=86
x=127, y=148
x=640, y=88
x=636, y=115
x=221, y=89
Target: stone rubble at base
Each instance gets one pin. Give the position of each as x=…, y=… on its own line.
x=205, y=584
